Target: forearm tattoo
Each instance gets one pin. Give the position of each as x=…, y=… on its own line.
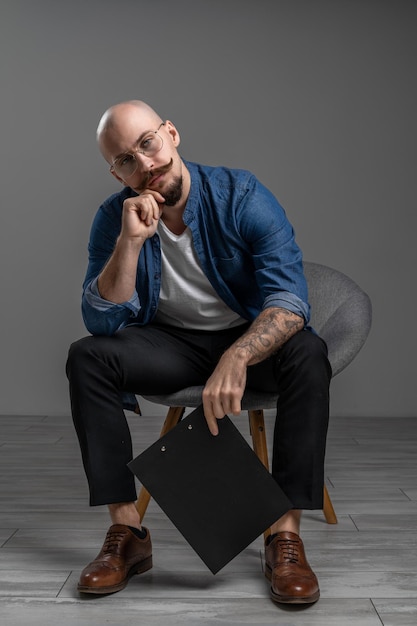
x=271, y=329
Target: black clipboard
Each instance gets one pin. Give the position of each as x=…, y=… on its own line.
x=213, y=488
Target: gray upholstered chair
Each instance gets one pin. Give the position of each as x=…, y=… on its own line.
x=341, y=314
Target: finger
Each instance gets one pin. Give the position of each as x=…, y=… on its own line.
x=157, y=212
x=154, y=194
x=145, y=201
x=229, y=403
x=146, y=215
x=210, y=418
x=148, y=210
x=236, y=406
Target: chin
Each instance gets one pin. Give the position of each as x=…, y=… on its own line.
x=173, y=193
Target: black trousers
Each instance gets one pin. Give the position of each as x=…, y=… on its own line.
x=157, y=360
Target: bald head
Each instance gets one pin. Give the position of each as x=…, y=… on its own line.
x=117, y=120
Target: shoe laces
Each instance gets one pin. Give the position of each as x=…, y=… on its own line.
x=289, y=550
x=112, y=541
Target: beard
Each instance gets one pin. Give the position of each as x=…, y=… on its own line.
x=173, y=193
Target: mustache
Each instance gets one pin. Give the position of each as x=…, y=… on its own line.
x=157, y=172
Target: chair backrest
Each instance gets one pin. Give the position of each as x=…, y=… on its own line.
x=341, y=313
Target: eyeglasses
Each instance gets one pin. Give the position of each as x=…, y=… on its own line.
x=127, y=164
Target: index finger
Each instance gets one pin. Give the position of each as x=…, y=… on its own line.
x=152, y=192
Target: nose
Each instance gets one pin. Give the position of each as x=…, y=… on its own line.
x=143, y=161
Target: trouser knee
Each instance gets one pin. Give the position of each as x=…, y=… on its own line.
x=304, y=357
x=76, y=354
x=88, y=352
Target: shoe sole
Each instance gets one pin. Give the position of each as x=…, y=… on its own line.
x=289, y=599
x=139, y=568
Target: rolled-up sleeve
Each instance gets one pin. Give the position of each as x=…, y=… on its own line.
x=103, y=317
x=290, y=302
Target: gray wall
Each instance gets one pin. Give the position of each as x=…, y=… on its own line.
x=317, y=97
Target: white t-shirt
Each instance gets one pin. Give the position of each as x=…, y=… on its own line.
x=187, y=298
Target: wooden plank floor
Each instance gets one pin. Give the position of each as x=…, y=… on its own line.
x=366, y=563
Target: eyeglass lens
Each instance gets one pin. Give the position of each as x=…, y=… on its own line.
x=149, y=145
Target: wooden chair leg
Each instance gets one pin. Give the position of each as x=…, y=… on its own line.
x=257, y=431
x=328, y=510
x=174, y=416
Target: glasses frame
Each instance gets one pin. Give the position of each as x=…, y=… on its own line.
x=136, y=151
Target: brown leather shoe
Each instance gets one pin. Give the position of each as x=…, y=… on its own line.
x=123, y=554
x=292, y=579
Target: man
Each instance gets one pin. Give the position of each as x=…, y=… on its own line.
x=194, y=278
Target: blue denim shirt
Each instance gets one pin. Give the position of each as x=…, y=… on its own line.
x=242, y=238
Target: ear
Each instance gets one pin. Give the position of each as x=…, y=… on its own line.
x=172, y=131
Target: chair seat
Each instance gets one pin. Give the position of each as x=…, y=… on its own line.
x=191, y=397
